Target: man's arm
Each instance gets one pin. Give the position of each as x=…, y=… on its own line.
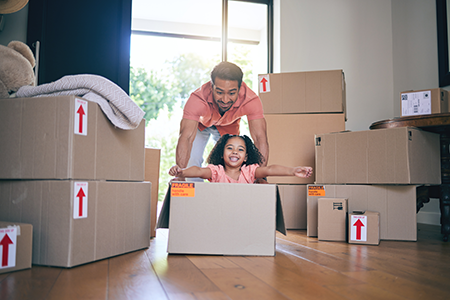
x=188, y=130
x=258, y=131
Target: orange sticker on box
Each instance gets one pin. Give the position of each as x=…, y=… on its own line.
x=316, y=190
x=182, y=189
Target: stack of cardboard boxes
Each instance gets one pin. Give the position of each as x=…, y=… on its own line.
x=297, y=106
x=377, y=172
x=77, y=179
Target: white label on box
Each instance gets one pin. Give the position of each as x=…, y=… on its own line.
x=264, y=83
x=418, y=103
x=8, y=248
x=81, y=111
x=80, y=200
x=358, y=232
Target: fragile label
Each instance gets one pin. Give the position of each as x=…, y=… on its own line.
x=264, y=83
x=8, y=248
x=80, y=200
x=358, y=232
x=418, y=103
x=80, y=120
x=184, y=189
x=316, y=190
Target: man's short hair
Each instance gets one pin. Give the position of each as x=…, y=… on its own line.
x=227, y=71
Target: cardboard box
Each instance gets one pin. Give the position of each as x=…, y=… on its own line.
x=424, y=102
x=222, y=218
x=332, y=219
x=403, y=155
x=291, y=140
x=303, y=92
x=364, y=228
x=293, y=200
x=76, y=222
x=395, y=203
x=152, y=160
x=41, y=139
x=18, y=237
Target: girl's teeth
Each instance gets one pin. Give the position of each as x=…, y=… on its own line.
x=234, y=159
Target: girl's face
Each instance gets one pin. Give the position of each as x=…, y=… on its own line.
x=235, y=152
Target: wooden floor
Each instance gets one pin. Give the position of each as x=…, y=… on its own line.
x=303, y=268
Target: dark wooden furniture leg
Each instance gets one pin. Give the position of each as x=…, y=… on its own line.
x=445, y=186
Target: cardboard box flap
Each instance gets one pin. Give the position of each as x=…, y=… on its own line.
x=163, y=219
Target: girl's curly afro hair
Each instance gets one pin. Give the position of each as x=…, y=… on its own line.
x=253, y=154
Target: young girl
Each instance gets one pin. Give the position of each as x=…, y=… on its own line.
x=235, y=159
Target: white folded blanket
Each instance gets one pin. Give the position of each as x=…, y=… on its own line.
x=120, y=109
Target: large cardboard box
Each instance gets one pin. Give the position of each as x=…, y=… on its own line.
x=403, y=155
x=76, y=222
x=152, y=159
x=43, y=138
x=424, y=102
x=395, y=203
x=364, y=228
x=222, y=218
x=291, y=140
x=293, y=200
x=303, y=92
x=16, y=241
x=332, y=219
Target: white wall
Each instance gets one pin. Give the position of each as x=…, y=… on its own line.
x=352, y=35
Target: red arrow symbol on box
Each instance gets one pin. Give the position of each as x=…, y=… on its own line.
x=264, y=81
x=80, y=195
x=6, y=241
x=81, y=113
x=358, y=225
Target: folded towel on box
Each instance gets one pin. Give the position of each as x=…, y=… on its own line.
x=118, y=107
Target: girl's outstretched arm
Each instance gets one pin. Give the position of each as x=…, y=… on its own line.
x=277, y=170
x=204, y=173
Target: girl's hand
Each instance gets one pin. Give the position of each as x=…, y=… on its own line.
x=303, y=172
x=175, y=171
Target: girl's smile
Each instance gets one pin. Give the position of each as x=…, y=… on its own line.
x=235, y=152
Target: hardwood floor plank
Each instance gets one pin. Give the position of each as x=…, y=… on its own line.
x=177, y=274
x=211, y=262
x=33, y=284
x=399, y=286
x=293, y=284
x=240, y=284
x=365, y=291
x=131, y=276
x=83, y=282
x=199, y=296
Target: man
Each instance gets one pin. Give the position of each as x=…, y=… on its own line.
x=216, y=109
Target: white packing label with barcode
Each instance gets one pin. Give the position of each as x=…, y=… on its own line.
x=416, y=103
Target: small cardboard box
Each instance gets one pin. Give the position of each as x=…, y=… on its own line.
x=76, y=222
x=332, y=219
x=152, y=159
x=303, y=92
x=424, y=102
x=222, y=218
x=395, y=203
x=293, y=200
x=364, y=228
x=403, y=155
x=16, y=241
x=43, y=138
x=291, y=139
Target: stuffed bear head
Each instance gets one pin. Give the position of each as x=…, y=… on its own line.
x=16, y=68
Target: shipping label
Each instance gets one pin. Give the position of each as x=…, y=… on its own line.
x=184, y=189
x=80, y=200
x=416, y=103
x=316, y=191
x=358, y=231
x=264, y=83
x=80, y=119
x=8, y=247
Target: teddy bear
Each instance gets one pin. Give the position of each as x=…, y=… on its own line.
x=16, y=68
